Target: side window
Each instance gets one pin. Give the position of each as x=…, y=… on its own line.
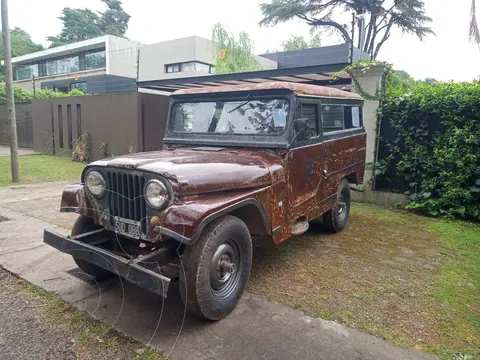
x=353, y=117
x=332, y=118
x=309, y=111
x=341, y=117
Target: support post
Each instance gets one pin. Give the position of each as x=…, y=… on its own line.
x=7, y=55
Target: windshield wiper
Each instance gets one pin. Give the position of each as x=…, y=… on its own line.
x=244, y=102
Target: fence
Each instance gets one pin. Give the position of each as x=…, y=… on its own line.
x=123, y=121
x=24, y=124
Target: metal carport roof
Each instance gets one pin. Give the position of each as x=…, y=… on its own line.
x=314, y=75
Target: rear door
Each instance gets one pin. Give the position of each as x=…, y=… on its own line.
x=344, y=140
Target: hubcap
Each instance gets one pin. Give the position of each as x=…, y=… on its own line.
x=225, y=269
x=341, y=207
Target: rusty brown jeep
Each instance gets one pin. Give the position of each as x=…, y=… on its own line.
x=264, y=159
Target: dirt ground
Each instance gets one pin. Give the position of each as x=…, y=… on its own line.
x=36, y=325
x=378, y=275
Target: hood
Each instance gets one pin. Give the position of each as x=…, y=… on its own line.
x=202, y=170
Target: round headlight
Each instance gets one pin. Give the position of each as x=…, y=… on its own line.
x=156, y=194
x=95, y=183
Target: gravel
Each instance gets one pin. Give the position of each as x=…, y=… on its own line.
x=26, y=332
x=22, y=334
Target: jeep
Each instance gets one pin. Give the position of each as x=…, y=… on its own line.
x=261, y=159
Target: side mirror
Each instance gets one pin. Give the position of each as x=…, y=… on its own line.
x=302, y=129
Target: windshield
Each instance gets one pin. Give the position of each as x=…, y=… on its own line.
x=252, y=117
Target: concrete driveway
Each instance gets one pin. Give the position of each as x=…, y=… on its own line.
x=257, y=329
x=5, y=151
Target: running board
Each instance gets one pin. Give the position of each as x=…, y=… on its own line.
x=357, y=188
x=299, y=228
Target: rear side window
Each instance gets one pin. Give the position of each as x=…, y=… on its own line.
x=310, y=112
x=341, y=117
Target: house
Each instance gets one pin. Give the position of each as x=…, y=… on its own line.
x=101, y=65
x=171, y=69
x=185, y=57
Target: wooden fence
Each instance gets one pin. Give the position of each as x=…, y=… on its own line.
x=24, y=124
x=123, y=121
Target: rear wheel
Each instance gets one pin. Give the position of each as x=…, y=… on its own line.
x=336, y=218
x=83, y=225
x=215, y=269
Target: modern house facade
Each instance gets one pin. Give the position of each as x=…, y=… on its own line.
x=309, y=66
x=95, y=66
x=186, y=57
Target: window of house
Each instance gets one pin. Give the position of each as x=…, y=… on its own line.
x=341, y=117
x=95, y=60
x=62, y=65
x=189, y=67
x=68, y=65
x=173, y=68
x=52, y=67
x=60, y=88
x=82, y=86
x=202, y=67
x=24, y=72
x=309, y=111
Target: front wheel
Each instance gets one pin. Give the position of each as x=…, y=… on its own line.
x=83, y=225
x=336, y=218
x=216, y=268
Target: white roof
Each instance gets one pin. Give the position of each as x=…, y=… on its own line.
x=90, y=44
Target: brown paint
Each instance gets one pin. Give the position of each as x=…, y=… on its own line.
x=277, y=188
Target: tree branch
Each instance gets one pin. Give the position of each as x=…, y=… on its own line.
x=319, y=22
x=373, y=22
x=474, y=31
x=385, y=38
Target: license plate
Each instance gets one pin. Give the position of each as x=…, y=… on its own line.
x=127, y=227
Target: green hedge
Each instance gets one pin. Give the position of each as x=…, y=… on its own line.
x=436, y=148
x=25, y=95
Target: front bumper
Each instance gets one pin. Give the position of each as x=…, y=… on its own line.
x=83, y=247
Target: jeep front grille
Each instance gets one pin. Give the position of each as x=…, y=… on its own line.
x=125, y=195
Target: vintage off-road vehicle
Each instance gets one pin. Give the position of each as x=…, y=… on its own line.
x=262, y=159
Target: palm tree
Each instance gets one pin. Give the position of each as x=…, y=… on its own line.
x=474, y=30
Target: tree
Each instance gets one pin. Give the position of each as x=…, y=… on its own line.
x=114, y=20
x=381, y=16
x=233, y=53
x=401, y=81
x=21, y=44
x=84, y=24
x=474, y=30
x=431, y=81
x=298, y=42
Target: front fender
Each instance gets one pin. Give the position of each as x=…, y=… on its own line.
x=75, y=200
x=186, y=221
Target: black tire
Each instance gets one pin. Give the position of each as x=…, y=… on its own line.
x=336, y=219
x=207, y=289
x=82, y=225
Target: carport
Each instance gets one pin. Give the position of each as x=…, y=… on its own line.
x=314, y=75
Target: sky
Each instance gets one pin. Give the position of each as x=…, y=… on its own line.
x=447, y=56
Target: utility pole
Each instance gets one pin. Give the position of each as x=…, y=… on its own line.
x=7, y=66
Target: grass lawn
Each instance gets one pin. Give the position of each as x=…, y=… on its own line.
x=41, y=168
x=410, y=279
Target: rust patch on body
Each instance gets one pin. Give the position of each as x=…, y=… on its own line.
x=297, y=88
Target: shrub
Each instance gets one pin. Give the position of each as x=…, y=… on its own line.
x=437, y=149
x=26, y=95
x=81, y=150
